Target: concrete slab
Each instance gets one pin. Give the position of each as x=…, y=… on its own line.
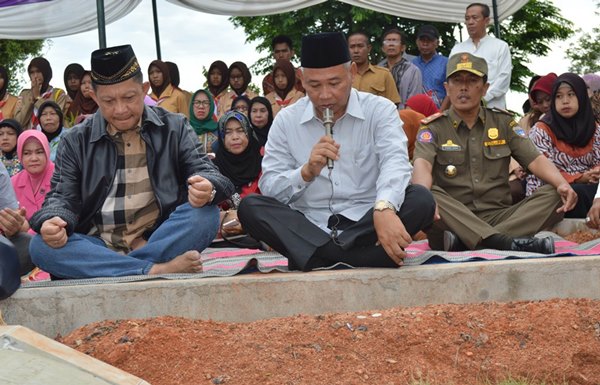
x=29, y=358
x=59, y=310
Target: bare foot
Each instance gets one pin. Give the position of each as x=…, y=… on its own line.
x=188, y=262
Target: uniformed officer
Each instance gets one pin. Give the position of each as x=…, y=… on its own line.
x=462, y=155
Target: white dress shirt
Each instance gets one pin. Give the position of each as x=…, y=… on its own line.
x=373, y=159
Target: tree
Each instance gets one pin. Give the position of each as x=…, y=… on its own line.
x=529, y=31
x=13, y=54
x=585, y=55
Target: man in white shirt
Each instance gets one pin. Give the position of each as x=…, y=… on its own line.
x=495, y=52
x=362, y=211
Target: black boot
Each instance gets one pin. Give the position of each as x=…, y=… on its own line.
x=452, y=242
x=534, y=245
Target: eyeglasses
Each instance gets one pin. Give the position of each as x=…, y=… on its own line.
x=391, y=42
x=198, y=103
x=241, y=108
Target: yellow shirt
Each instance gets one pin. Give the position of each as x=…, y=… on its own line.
x=378, y=81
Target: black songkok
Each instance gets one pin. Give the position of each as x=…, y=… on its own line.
x=114, y=65
x=324, y=50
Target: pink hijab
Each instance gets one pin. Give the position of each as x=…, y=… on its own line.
x=36, y=180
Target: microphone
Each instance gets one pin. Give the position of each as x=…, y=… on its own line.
x=328, y=123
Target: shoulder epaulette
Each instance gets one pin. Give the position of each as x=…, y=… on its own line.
x=503, y=111
x=431, y=118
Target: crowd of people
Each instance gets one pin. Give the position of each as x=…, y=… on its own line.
x=119, y=176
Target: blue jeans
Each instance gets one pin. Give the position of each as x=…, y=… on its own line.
x=84, y=256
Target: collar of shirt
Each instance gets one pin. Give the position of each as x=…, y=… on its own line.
x=353, y=108
x=457, y=120
x=100, y=125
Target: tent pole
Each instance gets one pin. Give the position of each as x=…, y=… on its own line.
x=101, y=23
x=156, y=33
x=496, y=21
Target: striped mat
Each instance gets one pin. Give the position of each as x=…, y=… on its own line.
x=226, y=262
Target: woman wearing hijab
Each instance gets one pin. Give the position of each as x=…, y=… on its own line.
x=241, y=104
x=83, y=105
x=10, y=130
x=166, y=96
x=218, y=79
x=30, y=99
x=260, y=115
x=593, y=83
x=284, y=93
x=570, y=138
x=423, y=104
x=176, y=79
x=8, y=102
x=72, y=77
x=50, y=117
x=238, y=157
x=202, y=110
x=33, y=183
x=239, y=79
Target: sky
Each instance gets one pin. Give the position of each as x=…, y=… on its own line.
x=193, y=40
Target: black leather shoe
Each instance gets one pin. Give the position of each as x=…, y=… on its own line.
x=452, y=242
x=534, y=245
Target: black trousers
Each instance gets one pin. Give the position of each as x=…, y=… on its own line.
x=307, y=246
x=585, y=199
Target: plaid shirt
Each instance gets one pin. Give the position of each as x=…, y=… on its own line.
x=130, y=207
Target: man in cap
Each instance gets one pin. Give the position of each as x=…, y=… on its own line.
x=431, y=64
x=131, y=194
x=462, y=155
x=369, y=78
x=496, y=52
x=362, y=211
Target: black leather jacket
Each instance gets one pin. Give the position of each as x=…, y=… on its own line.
x=86, y=163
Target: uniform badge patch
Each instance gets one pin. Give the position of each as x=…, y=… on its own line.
x=450, y=146
x=519, y=131
x=425, y=136
x=493, y=133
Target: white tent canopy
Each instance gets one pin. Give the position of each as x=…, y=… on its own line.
x=39, y=19
x=431, y=10
x=30, y=19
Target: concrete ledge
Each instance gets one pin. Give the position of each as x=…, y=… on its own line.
x=244, y=298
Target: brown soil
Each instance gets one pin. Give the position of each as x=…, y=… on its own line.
x=555, y=342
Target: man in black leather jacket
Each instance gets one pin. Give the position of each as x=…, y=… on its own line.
x=131, y=192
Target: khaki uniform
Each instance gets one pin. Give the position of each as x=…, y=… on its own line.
x=7, y=106
x=277, y=104
x=174, y=100
x=470, y=178
x=27, y=106
x=225, y=101
x=378, y=81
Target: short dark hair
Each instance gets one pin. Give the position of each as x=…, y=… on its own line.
x=279, y=39
x=485, y=9
x=403, y=36
x=362, y=33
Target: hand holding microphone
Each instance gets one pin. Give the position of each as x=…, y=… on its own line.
x=324, y=152
x=328, y=123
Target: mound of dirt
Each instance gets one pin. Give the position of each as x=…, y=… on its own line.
x=555, y=341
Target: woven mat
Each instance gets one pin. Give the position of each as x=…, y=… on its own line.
x=224, y=262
